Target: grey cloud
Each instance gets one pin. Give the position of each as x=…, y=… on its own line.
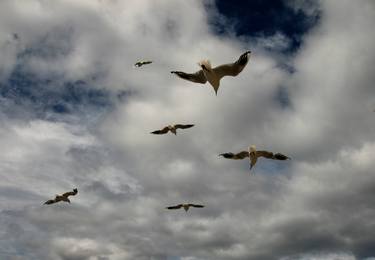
x=317, y=206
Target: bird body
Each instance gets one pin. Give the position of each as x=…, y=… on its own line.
x=213, y=75
x=210, y=74
x=185, y=206
x=63, y=197
x=172, y=128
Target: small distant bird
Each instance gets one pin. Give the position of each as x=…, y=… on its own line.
x=172, y=128
x=141, y=63
x=213, y=75
x=185, y=206
x=253, y=155
x=63, y=197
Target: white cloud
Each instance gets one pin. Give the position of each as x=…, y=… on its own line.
x=314, y=207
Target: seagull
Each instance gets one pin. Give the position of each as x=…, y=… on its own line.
x=63, y=197
x=213, y=75
x=172, y=128
x=186, y=206
x=141, y=63
x=253, y=155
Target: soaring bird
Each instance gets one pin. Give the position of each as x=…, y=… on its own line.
x=213, y=75
x=172, y=128
x=253, y=155
x=141, y=63
x=186, y=206
x=63, y=197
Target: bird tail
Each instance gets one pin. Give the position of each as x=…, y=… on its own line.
x=205, y=63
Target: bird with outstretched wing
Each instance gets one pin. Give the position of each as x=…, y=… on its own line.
x=213, y=75
x=63, y=197
x=253, y=155
x=172, y=128
x=141, y=63
x=185, y=206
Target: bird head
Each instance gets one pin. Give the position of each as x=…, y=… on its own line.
x=205, y=65
x=252, y=148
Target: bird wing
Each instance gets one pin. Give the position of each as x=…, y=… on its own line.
x=174, y=207
x=183, y=126
x=232, y=69
x=70, y=193
x=161, y=132
x=264, y=154
x=279, y=156
x=238, y=156
x=227, y=155
x=141, y=63
x=196, y=205
x=48, y=202
x=242, y=155
x=197, y=77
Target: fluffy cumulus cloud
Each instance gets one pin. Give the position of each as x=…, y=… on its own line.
x=315, y=105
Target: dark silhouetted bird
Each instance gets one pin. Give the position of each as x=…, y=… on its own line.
x=185, y=206
x=172, y=128
x=141, y=63
x=63, y=197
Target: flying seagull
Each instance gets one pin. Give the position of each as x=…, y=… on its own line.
x=186, y=206
x=141, y=63
x=63, y=197
x=172, y=128
x=253, y=155
x=213, y=75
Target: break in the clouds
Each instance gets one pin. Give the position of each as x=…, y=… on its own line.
x=74, y=112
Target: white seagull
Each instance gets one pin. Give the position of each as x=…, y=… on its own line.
x=253, y=155
x=213, y=75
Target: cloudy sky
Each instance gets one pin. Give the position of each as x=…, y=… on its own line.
x=75, y=113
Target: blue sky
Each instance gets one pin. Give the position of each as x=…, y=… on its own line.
x=74, y=112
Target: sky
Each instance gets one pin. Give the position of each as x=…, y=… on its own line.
x=75, y=113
